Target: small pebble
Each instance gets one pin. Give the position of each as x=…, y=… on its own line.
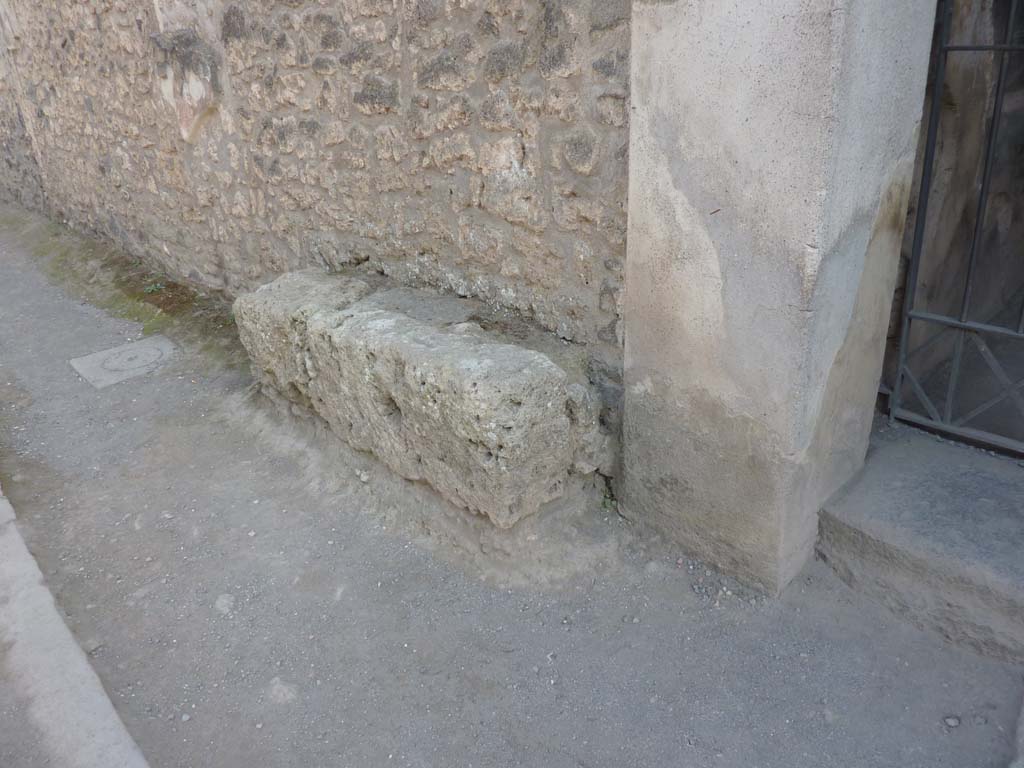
x=186, y=718
x=952, y=721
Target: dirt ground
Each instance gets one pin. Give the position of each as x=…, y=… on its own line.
x=253, y=593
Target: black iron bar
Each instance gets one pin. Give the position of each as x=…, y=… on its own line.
x=922, y=396
x=991, y=402
x=982, y=48
x=966, y=433
x=946, y=17
x=954, y=375
x=986, y=178
x=998, y=371
x=967, y=325
x=927, y=415
x=928, y=343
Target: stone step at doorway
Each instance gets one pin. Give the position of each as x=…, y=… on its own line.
x=935, y=531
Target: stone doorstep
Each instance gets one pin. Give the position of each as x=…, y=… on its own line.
x=494, y=426
x=935, y=531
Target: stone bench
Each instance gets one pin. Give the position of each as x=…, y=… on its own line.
x=495, y=427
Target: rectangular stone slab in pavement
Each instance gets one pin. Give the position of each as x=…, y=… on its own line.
x=112, y=366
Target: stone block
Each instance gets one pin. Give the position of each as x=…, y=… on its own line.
x=272, y=324
x=377, y=95
x=934, y=531
x=495, y=427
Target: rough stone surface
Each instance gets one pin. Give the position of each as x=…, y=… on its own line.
x=20, y=181
x=935, y=531
x=494, y=427
x=272, y=324
x=764, y=228
x=476, y=147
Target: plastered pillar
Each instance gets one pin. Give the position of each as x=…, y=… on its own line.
x=771, y=154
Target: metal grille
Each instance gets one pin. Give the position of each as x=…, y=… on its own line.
x=961, y=360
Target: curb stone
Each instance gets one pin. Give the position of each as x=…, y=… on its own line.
x=49, y=671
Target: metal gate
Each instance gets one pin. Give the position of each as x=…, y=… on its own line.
x=960, y=368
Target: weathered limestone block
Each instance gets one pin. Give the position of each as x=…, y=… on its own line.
x=494, y=427
x=272, y=324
